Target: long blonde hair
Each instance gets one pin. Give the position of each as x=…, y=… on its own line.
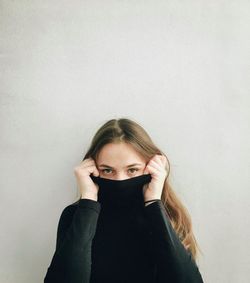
x=129, y=131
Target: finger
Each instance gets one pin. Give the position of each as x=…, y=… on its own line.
x=90, y=169
x=157, y=159
x=156, y=165
x=88, y=160
x=164, y=160
x=96, y=172
x=86, y=163
x=161, y=158
x=152, y=170
x=146, y=171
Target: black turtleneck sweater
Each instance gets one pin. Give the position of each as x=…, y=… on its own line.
x=95, y=245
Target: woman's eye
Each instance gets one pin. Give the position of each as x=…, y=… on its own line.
x=104, y=170
x=135, y=169
x=107, y=171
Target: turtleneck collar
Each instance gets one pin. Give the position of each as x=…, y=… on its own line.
x=118, y=194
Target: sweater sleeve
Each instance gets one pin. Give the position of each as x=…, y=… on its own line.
x=174, y=263
x=71, y=261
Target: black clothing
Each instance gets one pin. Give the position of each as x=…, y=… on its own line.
x=121, y=194
x=98, y=242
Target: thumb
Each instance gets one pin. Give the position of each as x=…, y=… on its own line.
x=96, y=172
x=144, y=188
x=145, y=171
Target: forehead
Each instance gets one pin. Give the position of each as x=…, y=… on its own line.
x=119, y=154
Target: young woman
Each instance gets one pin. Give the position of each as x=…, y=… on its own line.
x=128, y=225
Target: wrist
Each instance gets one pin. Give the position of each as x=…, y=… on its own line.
x=148, y=198
x=148, y=202
x=92, y=197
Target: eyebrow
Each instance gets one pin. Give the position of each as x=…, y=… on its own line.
x=131, y=165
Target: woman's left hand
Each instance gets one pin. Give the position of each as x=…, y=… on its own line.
x=157, y=168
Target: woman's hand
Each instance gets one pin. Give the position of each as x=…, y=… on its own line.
x=157, y=168
x=88, y=189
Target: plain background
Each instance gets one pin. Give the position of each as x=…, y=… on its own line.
x=179, y=68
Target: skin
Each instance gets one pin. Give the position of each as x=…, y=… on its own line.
x=118, y=156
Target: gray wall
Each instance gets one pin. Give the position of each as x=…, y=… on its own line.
x=179, y=68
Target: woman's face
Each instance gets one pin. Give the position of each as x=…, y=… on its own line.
x=119, y=161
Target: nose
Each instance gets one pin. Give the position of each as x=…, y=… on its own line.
x=121, y=176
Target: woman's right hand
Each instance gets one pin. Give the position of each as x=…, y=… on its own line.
x=88, y=189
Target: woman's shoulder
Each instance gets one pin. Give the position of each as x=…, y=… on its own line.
x=76, y=203
x=69, y=209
